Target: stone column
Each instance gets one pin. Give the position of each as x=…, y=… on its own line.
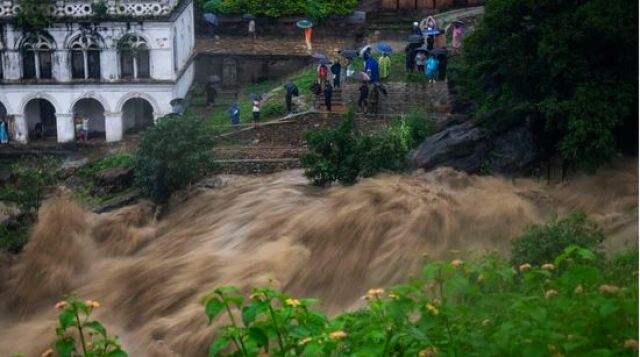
x=113, y=126
x=65, y=127
x=22, y=131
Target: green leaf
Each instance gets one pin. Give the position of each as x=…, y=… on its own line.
x=249, y=313
x=96, y=326
x=218, y=345
x=213, y=307
x=65, y=346
x=117, y=353
x=67, y=318
x=259, y=336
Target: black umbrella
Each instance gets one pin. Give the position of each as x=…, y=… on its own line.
x=319, y=56
x=254, y=96
x=248, y=17
x=214, y=79
x=415, y=38
x=324, y=61
x=211, y=18
x=459, y=22
x=348, y=53
x=438, y=51
x=176, y=101
x=422, y=49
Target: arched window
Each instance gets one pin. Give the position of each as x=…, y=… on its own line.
x=36, y=57
x=85, y=57
x=134, y=57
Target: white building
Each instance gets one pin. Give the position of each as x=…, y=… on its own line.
x=120, y=69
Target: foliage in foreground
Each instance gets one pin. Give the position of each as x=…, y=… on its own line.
x=174, y=153
x=568, y=306
x=316, y=9
x=77, y=335
x=343, y=153
x=540, y=244
x=564, y=64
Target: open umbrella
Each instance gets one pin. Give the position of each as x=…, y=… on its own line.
x=176, y=101
x=422, y=49
x=248, y=17
x=431, y=32
x=324, y=61
x=319, y=56
x=254, y=96
x=211, y=18
x=214, y=79
x=363, y=50
x=348, y=53
x=303, y=24
x=363, y=76
x=415, y=38
x=384, y=47
x=438, y=51
x=459, y=22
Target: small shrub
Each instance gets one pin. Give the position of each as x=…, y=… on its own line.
x=273, y=108
x=124, y=160
x=333, y=153
x=29, y=184
x=540, y=244
x=92, y=339
x=173, y=154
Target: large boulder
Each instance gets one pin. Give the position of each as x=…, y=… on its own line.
x=474, y=147
x=114, y=179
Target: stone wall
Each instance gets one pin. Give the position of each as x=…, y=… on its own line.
x=290, y=132
x=406, y=97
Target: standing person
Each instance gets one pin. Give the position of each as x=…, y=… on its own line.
x=336, y=70
x=416, y=29
x=385, y=66
x=456, y=41
x=308, y=33
x=252, y=29
x=77, y=125
x=322, y=73
x=291, y=90
x=430, y=42
x=363, y=97
x=234, y=115
x=372, y=69
x=431, y=71
x=420, y=59
x=442, y=70
x=85, y=129
x=256, y=111
x=328, y=93
x=409, y=58
x=211, y=92
x=4, y=136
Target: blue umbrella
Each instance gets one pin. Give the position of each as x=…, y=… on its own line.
x=211, y=18
x=415, y=38
x=431, y=32
x=384, y=47
x=248, y=17
x=303, y=24
x=348, y=53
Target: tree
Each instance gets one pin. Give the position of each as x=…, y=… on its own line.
x=571, y=64
x=173, y=154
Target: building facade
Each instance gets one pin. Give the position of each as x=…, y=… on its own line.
x=120, y=69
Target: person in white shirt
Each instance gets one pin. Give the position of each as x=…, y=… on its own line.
x=256, y=112
x=252, y=29
x=85, y=128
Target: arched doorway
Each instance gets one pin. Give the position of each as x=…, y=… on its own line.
x=137, y=115
x=40, y=115
x=91, y=109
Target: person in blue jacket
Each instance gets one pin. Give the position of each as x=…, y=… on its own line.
x=371, y=68
x=234, y=114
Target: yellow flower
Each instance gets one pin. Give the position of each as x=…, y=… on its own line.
x=486, y=322
x=608, y=289
x=292, y=302
x=374, y=293
x=456, y=262
x=548, y=266
x=337, y=335
x=432, y=309
x=304, y=341
x=550, y=293
x=60, y=305
x=393, y=296
x=578, y=290
x=525, y=267
x=258, y=296
x=631, y=344
x=428, y=352
x=436, y=301
x=92, y=303
x=47, y=353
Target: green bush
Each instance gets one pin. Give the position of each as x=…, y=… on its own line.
x=316, y=9
x=123, y=160
x=452, y=308
x=273, y=108
x=173, y=154
x=333, y=153
x=564, y=64
x=342, y=154
x=540, y=244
